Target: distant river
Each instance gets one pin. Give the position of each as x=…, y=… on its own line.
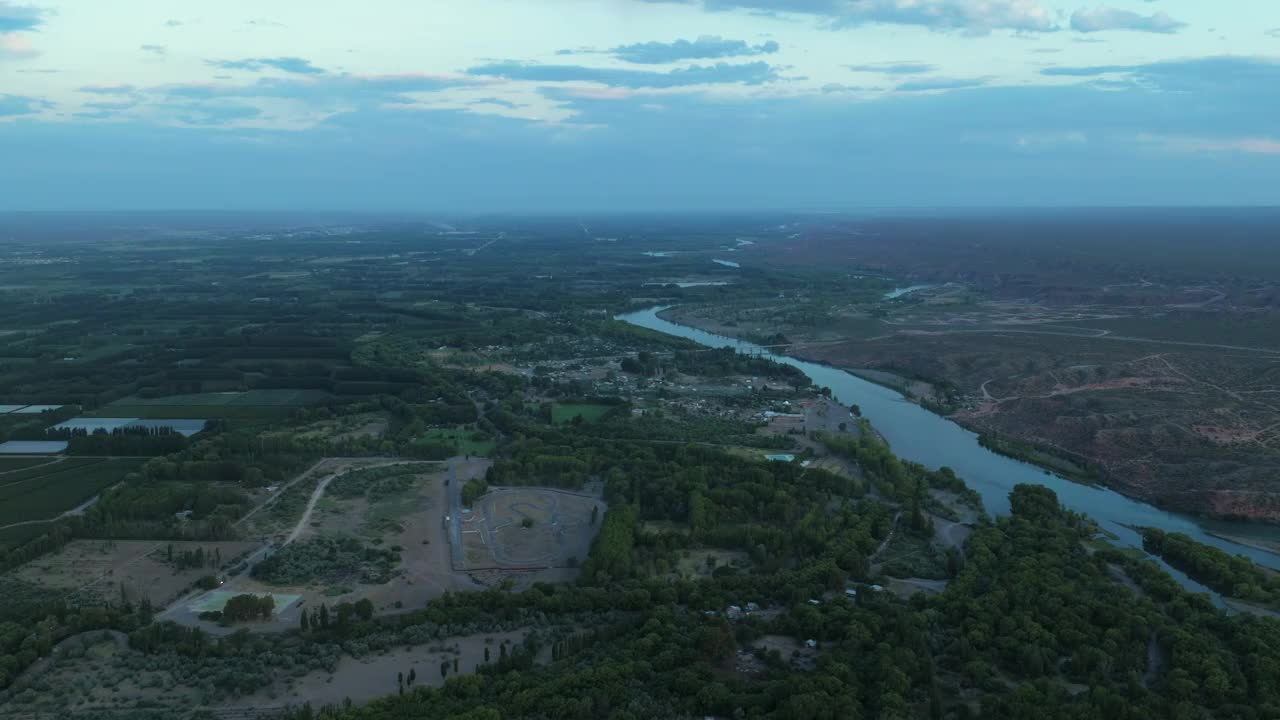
x=900, y=292
x=933, y=441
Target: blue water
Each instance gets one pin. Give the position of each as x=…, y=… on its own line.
x=933, y=441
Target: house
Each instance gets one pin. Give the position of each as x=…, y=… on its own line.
x=752, y=607
x=851, y=593
x=813, y=601
x=811, y=644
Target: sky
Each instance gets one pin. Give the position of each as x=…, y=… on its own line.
x=603, y=105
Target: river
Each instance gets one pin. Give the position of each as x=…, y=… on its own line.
x=933, y=441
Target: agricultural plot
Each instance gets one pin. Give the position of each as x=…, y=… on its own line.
x=46, y=491
x=32, y=447
x=249, y=397
x=528, y=528
x=251, y=404
x=562, y=413
x=10, y=464
x=467, y=441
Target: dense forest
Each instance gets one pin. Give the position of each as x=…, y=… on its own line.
x=1230, y=575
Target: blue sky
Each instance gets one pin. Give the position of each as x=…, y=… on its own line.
x=555, y=105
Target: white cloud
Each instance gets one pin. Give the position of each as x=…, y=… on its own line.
x=1107, y=18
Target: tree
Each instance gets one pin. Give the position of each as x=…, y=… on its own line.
x=413, y=676
x=324, y=616
x=444, y=669
x=305, y=622
x=486, y=654
x=364, y=608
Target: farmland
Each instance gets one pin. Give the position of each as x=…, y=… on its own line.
x=45, y=491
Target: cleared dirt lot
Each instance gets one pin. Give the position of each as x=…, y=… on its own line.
x=412, y=520
x=101, y=567
x=374, y=676
x=527, y=528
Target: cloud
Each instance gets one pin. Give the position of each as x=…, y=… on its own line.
x=761, y=151
x=12, y=105
x=706, y=47
x=108, y=89
x=16, y=47
x=754, y=73
x=155, y=49
x=264, y=23
x=971, y=16
x=295, y=65
x=942, y=84
x=900, y=68
x=204, y=114
x=1225, y=75
x=17, y=18
x=1106, y=18
x=172, y=23
x=1274, y=32
x=1244, y=145
x=498, y=102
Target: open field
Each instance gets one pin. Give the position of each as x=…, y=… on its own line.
x=46, y=491
x=372, y=676
x=103, y=568
x=463, y=440
x=517, y=528
x=248, y=397
x=404, y=511
x=9, y=464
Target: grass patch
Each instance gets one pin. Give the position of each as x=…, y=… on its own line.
x=468, y=442
x=16, y=536
x=7, y=464
x=562, y=413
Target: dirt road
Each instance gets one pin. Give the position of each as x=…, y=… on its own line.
x=311, y=506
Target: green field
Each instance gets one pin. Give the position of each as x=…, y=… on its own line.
x=253, y=404
x=193, y=412
x=461, y=438
x=15, y=463
x=215, y=601
x=562, y=413
x=15, y=536
x=250, y=397
x=52, y=490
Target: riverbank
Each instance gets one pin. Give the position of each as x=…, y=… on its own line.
x=933, y=441
x=1041, y=459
